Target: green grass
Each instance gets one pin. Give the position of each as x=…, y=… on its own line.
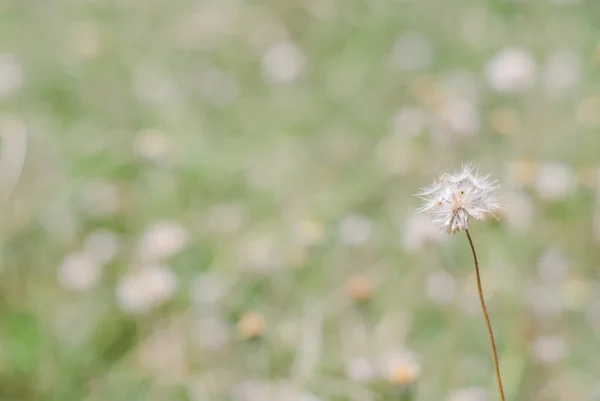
x=97, y=75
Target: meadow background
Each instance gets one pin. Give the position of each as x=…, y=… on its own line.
x=212, y=200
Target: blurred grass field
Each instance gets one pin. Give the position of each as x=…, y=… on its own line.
x=212, y=200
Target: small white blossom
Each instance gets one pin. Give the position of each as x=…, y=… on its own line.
x=283, y=63
x=454, y=198
x=355, y=229
x=144, y=289
x=360, y=370
x=400, y=366
x=555, y=181
x=548, y=349
x=511, y=70
x=162, y=240
x=79, y=272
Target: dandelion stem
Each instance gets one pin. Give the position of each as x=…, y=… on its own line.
x=487, y=318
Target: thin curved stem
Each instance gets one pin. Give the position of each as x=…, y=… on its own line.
x=487, y=318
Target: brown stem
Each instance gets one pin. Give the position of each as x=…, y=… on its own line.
x=487, y=319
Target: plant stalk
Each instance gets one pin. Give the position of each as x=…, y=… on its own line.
x=487, y=318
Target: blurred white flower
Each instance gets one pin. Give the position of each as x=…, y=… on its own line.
x=283, y=63
x=355, y=229
x=459, y=116
x=511, y=70
x=555, y=181
x=79, y=272
x=469, y=394
x=562, y=72
x=260, y=254
x=161, y=240
x=518, y=213
x=411, y=51
x=151, y=144
x=145, y=288
x=360, y=369
x=454, y=198
x=102, y=245
x=440, y=287
x=11, y=75
x=400, y=366
x=552, y=266
x=521, y=172
x=308, y=232
x=418, y=231
x=548, y=349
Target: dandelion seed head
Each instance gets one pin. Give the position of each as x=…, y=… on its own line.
x=455, y=198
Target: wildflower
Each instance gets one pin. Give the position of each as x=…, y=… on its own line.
x=548, y=349
x=162, y=240
x=359, y=288
x=308, y=232
x=79, y=272
x=400, y=366
x=283, y=63
x=454, y=198
x=145, y=288
x=251, y=325
x=511, y=70
x=555, y=181
x=355, y=229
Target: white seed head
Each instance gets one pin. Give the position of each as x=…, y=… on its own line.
x=454, y=198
